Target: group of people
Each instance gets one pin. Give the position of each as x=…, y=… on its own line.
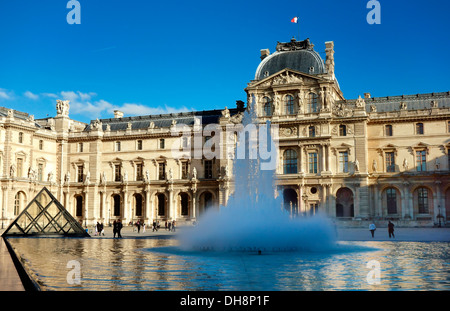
x=372, y=229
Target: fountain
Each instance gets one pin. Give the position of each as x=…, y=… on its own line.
x=254, y=220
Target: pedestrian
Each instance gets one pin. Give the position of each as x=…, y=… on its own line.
x=166, y=225
x=170, y=226
x=372, y=229
x=138, y=225
x=115, y=226
x=143, y=227
x=102, y=229
x=173, y=226
x=119, y=228
x=391, y=229
x=155, y=228
x=98, y=229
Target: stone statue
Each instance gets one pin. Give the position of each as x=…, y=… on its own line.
x=62, y=107
x=88, y=178
x=373, y=108
x=50, y=176
x=12, y=170
x=147, y=175
x=437, y=164
x=405, y=164
x=31, y=173
x=194, y=173
x=68, y=177
x=374, y=165
x=170, y=175
x=227, y=171
x=356, y=165
x=103, y=178
x=403, y=106
x=125, y=176
x=226, y=113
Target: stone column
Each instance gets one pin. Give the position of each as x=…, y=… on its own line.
x=86, y=204
x=148, y=210
x=126, y=213
x=171, y=210
x=438, y=202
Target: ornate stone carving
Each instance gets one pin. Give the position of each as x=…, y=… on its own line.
x=288, y=131
x=62, y=107
x=360, y=102
x=226, y=113
x=294, y=45
x=340, y=110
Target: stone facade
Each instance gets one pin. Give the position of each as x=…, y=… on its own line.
x=354, y=160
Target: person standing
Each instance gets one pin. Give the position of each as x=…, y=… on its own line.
x=173, y=226
x=115, y=226
x=138, y=225
x=372, y=229
x=391, y=229
x=155, y=228
x=119, y=228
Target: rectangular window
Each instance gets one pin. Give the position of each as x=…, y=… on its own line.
x=19, y=167
x=162, y=143
x=312, y=162
x=343, y=162
x=421, y=160
x=388, y=130
x=20, y=137
x=312, y=131
x=208, y=169
x=185, y=170
x=162, y=171
x=40, y=171
x=342, y=130
x=390, y=162
x=139, y=145
x=117, y=172
x=139, y=172
x=419, y=128
x=80, y=147
x=41, y=145
x=80, y=173
x=118, y=146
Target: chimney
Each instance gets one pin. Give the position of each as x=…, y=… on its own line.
x=264, y=53
x=118, y=114
x=329, y=62
x=367, y=95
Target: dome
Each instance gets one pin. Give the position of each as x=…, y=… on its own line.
x=295, y=55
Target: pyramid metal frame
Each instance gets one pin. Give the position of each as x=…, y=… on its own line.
x=71, y=227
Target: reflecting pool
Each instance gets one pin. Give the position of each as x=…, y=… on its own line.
x=159, y=264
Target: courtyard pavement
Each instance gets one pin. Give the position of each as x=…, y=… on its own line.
x=344, y=234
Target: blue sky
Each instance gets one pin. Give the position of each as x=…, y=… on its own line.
x=148, y=57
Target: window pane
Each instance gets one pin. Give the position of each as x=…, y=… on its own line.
x=391, y=200
x=421, y=161
x=390, y=162
x=290, y=162
x=423, y=200
x=289, y=102
x=312, y=161
x=343, y=162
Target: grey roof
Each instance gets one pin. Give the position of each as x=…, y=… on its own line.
x=17, y=115
x=163, y=120
x=296, y=55
x=413, y=102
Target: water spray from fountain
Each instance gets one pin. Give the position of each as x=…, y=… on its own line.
x=254, y=219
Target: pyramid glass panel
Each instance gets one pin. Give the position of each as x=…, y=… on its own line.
x=44, y=215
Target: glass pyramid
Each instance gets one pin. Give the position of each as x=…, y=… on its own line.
x=44, y=215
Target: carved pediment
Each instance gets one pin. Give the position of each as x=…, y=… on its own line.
x=284, y=77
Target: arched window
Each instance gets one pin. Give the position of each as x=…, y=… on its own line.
x=267, y=106
x=290, y=162
x=79, y=206
x=161, y=204
x=289, y=104
x=312, y=103
x=116, y=205
x=391, y=200
x=422, y=203
x=138, y=207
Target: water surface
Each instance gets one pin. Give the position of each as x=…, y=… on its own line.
x=158, y=264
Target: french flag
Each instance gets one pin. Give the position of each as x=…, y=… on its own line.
x=294, y=20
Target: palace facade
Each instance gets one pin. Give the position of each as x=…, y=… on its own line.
x=356, y=160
